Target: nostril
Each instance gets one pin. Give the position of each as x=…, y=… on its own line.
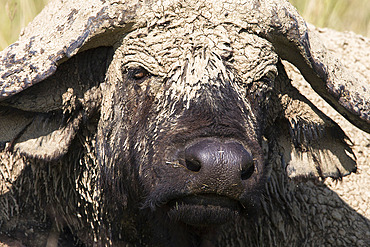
x=193, y=165
x=247, y=173
x=212, y=157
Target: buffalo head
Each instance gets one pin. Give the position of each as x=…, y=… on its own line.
x=186, y=102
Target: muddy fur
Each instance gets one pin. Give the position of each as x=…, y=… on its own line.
x=97, y=153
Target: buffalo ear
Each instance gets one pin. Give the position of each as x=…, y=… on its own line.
x=42, y=121
x=41, y=136
x=312, y=144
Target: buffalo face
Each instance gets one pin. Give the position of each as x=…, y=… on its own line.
x=184, y=140
x=135, y=122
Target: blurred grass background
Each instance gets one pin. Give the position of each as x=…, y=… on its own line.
x=14, y=15
x=337, y=14
x=341, y=15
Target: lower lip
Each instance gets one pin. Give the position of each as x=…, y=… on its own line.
x=203, y=210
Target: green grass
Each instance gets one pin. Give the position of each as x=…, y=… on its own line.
x=341, y=15
x=337, y=14
x=14, y=15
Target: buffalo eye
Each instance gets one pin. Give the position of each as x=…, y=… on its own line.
x=138, y=74
x=265, y=79
x=269, y=77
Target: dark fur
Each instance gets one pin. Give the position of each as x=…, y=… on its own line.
x=147, y=195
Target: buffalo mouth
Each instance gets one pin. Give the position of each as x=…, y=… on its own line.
x=203, y=210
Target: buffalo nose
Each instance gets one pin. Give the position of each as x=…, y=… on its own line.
x=219, y=158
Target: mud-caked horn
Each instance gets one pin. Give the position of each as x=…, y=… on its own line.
x=280, y=23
